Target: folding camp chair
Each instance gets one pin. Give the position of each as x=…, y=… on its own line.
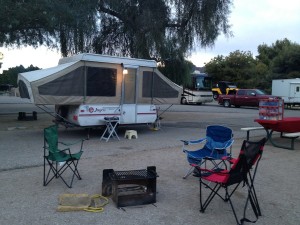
x=241, y=171
x=216, y=145
x=59, y=160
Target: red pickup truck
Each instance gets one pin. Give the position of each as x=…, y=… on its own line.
x=244, y=97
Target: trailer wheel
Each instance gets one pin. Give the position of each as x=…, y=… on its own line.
x=215, y=96
x=227, y=103
x=184, y=101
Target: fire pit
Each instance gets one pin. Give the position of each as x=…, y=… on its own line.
x=132, y=187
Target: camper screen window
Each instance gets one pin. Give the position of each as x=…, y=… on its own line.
x=101, y=81
x=70, y=84
x=156, y=87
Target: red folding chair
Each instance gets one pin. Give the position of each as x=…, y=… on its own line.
x=243, y=170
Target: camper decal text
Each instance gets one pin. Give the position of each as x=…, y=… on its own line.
x=92, y=110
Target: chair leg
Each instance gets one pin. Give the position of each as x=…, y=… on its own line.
x=254, y=204
x=213, y=193
x=231, y=204
x=189, y=172
x=231, y=193
x=57, y=173
x=52, y=168
x=255, y=200
x=75, y=171
x=44, y=174
x=253, y=192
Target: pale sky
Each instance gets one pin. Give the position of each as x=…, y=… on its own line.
x=253, y=23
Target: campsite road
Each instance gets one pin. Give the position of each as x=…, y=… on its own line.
x=210, y=112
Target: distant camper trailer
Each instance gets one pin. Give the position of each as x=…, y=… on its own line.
x=288, y=90
x=86, y=88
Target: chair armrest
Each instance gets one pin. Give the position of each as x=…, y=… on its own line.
x=191, y=142
x=69, y=144
x=210, y=171
x=229, y=159
x=227, y=144
x=60, y=150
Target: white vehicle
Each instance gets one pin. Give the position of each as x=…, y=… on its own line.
x=288, y=90
x=199, y=91
x=86, y=88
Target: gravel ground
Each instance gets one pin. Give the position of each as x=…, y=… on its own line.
x=24, y=200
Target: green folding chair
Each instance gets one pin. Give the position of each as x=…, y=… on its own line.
x=59, y=160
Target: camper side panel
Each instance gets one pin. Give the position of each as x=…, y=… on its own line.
x=154, y=87
x=280, y=88
x=288, y=90
x=94, y=114
x=84, y=82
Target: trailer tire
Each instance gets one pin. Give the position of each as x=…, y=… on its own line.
x=227, y=103
x=183, y=101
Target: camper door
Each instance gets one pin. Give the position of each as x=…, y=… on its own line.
x=129, y=107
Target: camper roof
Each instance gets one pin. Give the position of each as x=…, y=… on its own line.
x=42, y=73
x=127, y=62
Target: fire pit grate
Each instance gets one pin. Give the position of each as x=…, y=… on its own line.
x=129, y=188
x=133, y=174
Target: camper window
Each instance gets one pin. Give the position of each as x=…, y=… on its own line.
x=23, y=90
x=101, y=81
x=71, y=84
x=155, y=87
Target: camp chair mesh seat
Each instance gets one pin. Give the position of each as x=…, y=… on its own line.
x=59, y=160
x=243, y=170
x=217, y=144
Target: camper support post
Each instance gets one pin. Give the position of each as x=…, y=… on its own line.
x=85, y=82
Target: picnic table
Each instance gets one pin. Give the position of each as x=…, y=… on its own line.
x=288, y=127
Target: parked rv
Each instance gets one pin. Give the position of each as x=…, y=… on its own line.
x=87, y=88
x=199, y=90
x=288, y=90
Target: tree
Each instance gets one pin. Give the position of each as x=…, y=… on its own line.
x=238, y=67
x=65, y=24
x=287, y=63
x=25, y=23
x=10, y=76
x=145, y=28
x=282, y=59
x=158, y=29
x=135, y=28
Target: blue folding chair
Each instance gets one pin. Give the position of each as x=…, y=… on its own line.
x=217, y=144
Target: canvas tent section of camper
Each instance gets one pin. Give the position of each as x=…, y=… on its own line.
x=85, y=88
x=94, y=79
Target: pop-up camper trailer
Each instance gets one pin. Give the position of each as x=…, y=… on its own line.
x=86, y=88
